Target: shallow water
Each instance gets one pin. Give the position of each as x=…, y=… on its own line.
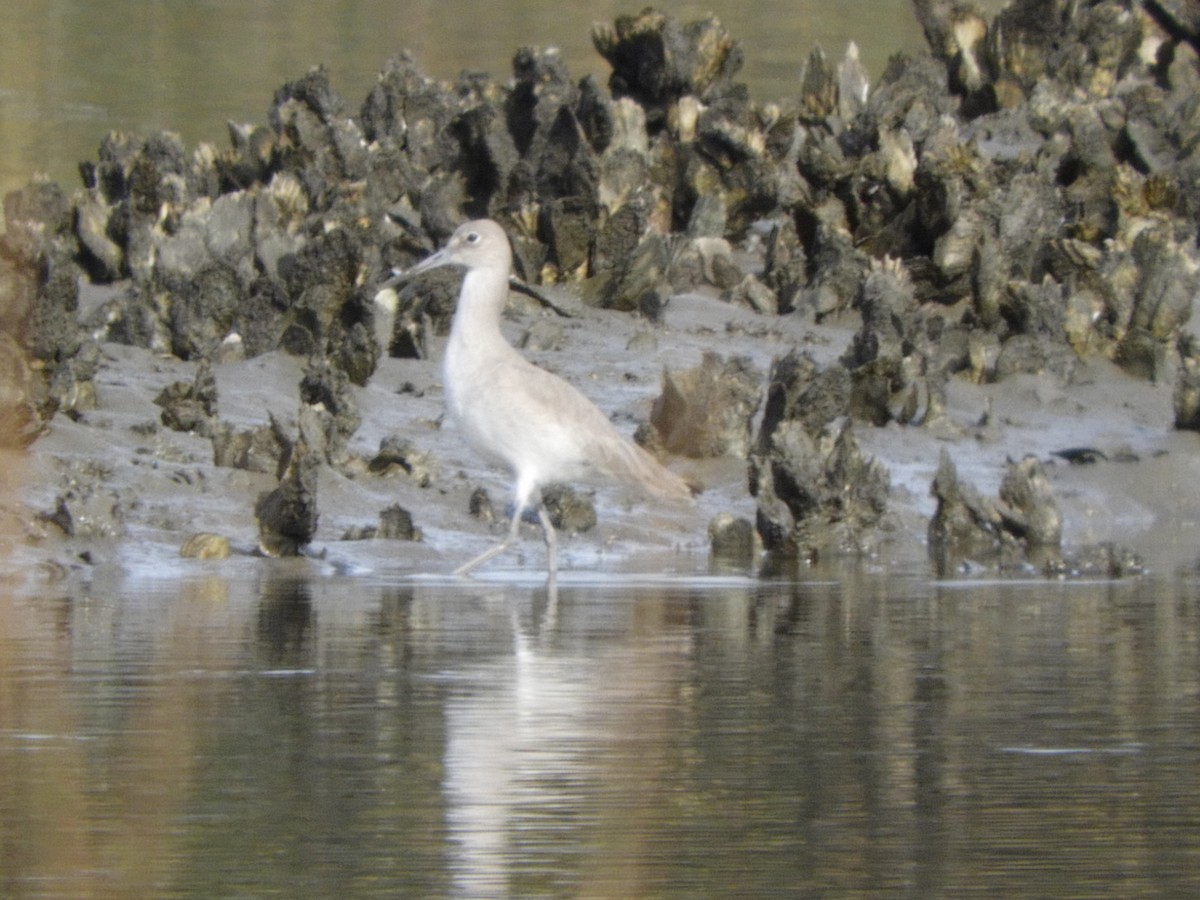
x=71, y=70
x=281, y=731
x=294, y=735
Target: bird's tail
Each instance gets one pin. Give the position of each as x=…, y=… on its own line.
x=629, y=462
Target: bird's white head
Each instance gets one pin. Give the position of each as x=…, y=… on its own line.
x=478, y=244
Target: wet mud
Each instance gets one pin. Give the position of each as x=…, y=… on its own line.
x=940, y=319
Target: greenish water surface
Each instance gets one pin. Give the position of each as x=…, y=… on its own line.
x=868, y=734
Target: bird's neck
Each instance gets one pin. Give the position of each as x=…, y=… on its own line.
x=480, y=305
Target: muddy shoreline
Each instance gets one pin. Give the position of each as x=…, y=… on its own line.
x=987, y=259
x=158, y=487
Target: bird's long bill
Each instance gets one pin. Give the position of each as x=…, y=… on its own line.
x=433, y=261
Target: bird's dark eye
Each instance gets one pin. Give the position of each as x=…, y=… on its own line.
x=473, y=237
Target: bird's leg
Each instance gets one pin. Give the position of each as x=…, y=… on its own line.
x=551, y=538
x=493, y=552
